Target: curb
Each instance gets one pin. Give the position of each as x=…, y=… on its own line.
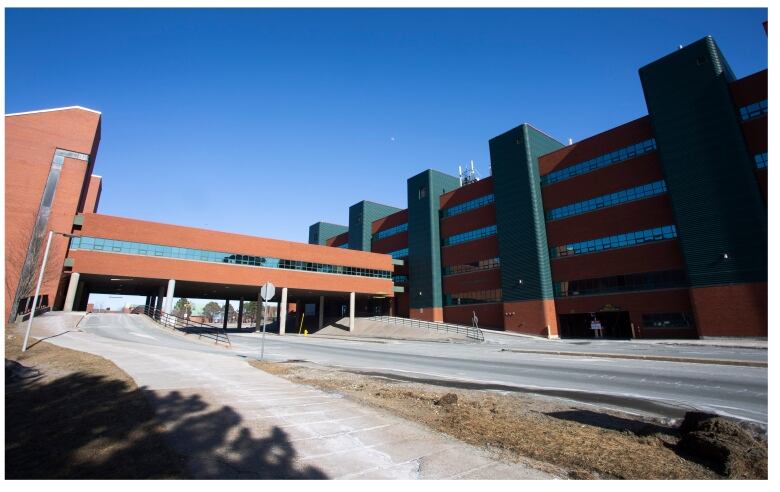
x=661, y=358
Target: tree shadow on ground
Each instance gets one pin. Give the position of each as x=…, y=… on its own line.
x=612, y=422
x=91, y=427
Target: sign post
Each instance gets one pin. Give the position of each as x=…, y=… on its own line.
x=267, y=292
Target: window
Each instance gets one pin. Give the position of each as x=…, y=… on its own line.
x=401, y=253
x=474, y=266
x=621, y=283
x=601, y=161
x=474, y=297
x=391, y=231
x=754, y=110
x=400, y=279
x=616, y=241
x=761, y=160
x=422, y=192
x=612, y=199
x=469, y=205
x=127, y=247
x=470, y=235
x=667, y=320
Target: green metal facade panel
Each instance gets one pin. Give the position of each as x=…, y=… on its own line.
x=708, y=170
x=322, y=231
x=423, y=192
x=522, y=237
x=361, y=215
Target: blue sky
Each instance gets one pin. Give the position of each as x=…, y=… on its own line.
x=263, y=122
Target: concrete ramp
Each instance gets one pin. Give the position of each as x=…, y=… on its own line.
x=55, y=323
x=376, y=329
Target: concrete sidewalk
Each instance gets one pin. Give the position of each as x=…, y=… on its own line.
x=234, y=421
x=753, y=343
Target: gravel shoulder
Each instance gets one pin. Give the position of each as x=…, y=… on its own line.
x=567, y=438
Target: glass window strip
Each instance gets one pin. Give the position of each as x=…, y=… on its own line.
x=128, y=247
x=401, y=253
x=474, y=266
x=609, y=200
x=400, y=279
x=667, y=320
x=598, y=162
x=621, y=283
x=469, y=235
x=391, y=231
x=473, y=297
x=754, y=110
x=762, y=160
x=469, y=205
x=617, y=241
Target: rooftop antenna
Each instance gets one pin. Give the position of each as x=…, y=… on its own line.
x=469, y=176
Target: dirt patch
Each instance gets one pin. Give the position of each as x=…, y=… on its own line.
x=584, y=443
x=727, y=446
x=75, y=415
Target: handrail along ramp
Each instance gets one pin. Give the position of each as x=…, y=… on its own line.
x=187, y=326
x=470, y=331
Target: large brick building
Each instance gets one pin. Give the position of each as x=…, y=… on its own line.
x=50, y=156
x=655, y=228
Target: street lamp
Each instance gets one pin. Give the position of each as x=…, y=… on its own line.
x=38, y=287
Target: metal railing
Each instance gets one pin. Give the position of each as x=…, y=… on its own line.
x=187, y=326
x=470, y=331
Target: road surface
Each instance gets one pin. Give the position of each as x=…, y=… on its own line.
x=660, y=388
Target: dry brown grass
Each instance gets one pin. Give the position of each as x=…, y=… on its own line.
x=519, y=427
x=82, y=418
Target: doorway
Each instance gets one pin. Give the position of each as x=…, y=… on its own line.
x=615, y=324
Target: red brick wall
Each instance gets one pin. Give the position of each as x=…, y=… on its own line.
x=736, y=310
x=621, y=136
x=531, y=317
x=468, y=221
x=633, y=216
x=93, y=194
x=189, y=237
x=651, y=257
x=391, y=220
x=490, y=315
x=750, y=89
x=427, y=314
x=465, y=193
x=335, y=241
x=468, y=282
x=479, y=249
x=171, y=235
x=616, y=177
x=30, y=142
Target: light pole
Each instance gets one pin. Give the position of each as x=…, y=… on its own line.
x=38, y=287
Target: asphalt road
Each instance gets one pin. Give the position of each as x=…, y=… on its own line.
x=660, y=388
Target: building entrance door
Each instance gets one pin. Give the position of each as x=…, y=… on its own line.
x=615, y=324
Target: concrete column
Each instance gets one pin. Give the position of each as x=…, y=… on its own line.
x=322, y=312
x=168, y=304
x=283, y=312
x=160, y=297
x=240, y=311
x=73, y=285
x=351, y=311
x=225, y=316
x=80, y=303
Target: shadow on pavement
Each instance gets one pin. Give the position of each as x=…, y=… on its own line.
x=90, y=427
